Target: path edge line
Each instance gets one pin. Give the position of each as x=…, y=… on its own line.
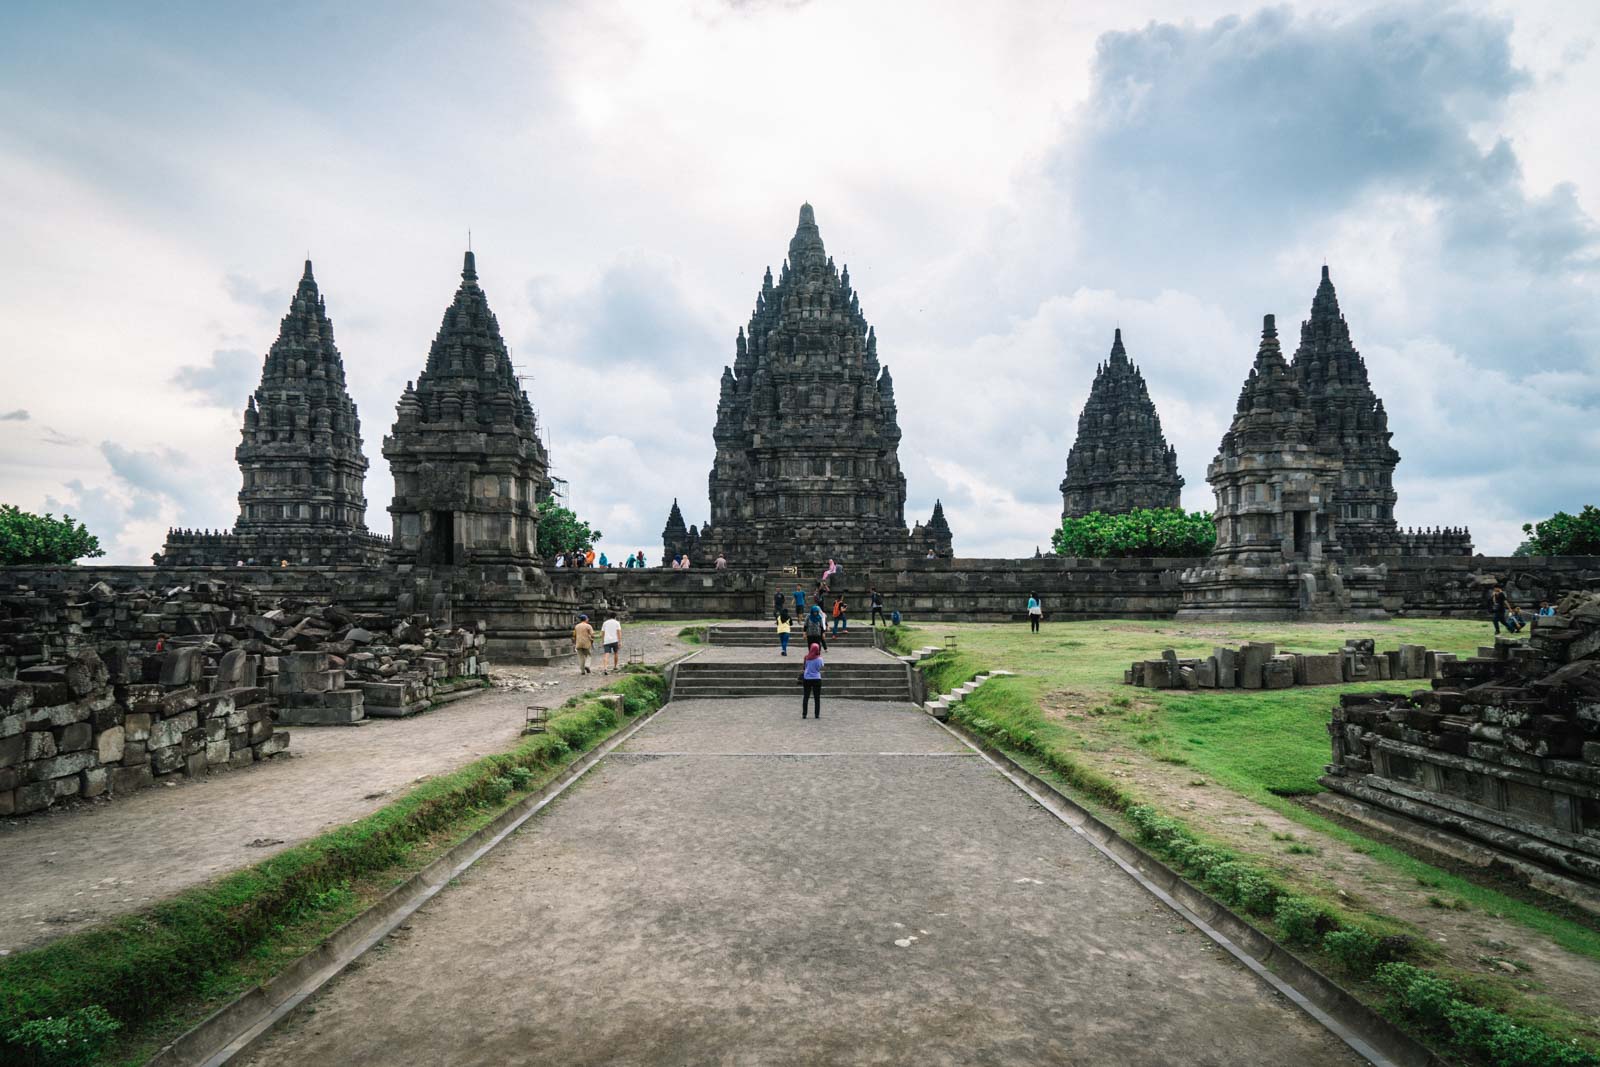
x=237, y=1026
x=1367, y=1033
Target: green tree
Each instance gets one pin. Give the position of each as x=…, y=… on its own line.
x=1566, y=535
x=1143, y=532
x=560, y=530
x=43, y=540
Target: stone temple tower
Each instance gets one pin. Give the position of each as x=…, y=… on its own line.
x=468, y=465
x=1277, y=552
x=303, y=496
x=807, y=434
x=1351, y=424
x=1121, y=460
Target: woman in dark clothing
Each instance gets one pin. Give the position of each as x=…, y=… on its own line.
x=1497, y=608
x=811, y=680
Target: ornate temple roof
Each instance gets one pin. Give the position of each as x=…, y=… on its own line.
x=1334, y=377
x=1121, y=459
x=300, y=446
x=807, y=427
x=469, y=375
x=1273, y=410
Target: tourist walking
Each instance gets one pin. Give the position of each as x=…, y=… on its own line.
x=1035, y=612
x=841, y=615
x=777, y=603
x=583, y=642
x=815, y=627
x=877, y=609
x=611, y=642
x=799, y=599
x=1497, y=607
x=783, y=633
x=811, y=681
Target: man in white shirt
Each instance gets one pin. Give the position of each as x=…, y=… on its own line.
x=611, y=642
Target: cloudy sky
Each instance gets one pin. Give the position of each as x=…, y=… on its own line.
x=1006, y=182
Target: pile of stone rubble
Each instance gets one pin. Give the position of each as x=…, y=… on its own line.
x=1259, y=665
x=1505, y=747
x=107, y=690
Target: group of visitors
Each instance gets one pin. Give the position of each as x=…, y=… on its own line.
x=581, y=558
x=1504, y=613
x=610, y=644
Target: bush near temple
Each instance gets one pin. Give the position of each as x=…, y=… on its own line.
x=1143, y=532
x=1565, y=535
x=44, y=540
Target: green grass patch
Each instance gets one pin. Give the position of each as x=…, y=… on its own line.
x=1481, y=1021
x=194, y=945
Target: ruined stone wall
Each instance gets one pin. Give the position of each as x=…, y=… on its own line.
x=1505, y=748
x=997, y=590
x=651, y=593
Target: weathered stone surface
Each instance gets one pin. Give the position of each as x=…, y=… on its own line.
x=1120, y=460
x=1319, y=669
x=1253, y=660
x=110, y=744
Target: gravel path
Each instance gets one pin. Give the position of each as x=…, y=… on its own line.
x=736, y=886
x=79, y=864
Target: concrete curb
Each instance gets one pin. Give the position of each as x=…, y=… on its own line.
x=238, y=1026
x=1366, y=1032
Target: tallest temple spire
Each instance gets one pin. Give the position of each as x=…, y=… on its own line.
x=807, y=438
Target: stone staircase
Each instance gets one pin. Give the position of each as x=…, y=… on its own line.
x=696, y=679
x=767, y=637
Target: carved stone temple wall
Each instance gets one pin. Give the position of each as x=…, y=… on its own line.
x=1277, y=553
x=807, y=464
x=469, y=473
x=1120, y=460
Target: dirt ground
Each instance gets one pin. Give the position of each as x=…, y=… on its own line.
x=1472, y=940
x=738, y=886
x=69, y=867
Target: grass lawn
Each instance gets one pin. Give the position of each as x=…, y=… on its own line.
x=1250, y=740
x=1235, y=767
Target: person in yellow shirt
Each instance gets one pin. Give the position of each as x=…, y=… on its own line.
x=783, y=633
x=583, y=642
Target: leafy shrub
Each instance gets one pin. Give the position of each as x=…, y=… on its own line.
x=1143, y=532
x=1301, y=921
x=1565, y=535
x=520, y=777
x=43, y=540
x=75, y=1039
x=496, y=789
x=1436, y=1006
x=1354, y=949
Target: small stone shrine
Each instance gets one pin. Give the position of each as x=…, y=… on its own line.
x=469, y=469
x=303, y=497
x=1277, y=554
x=1121, y=460
x=807, y=434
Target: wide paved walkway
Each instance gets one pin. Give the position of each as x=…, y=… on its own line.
x=736, y=886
